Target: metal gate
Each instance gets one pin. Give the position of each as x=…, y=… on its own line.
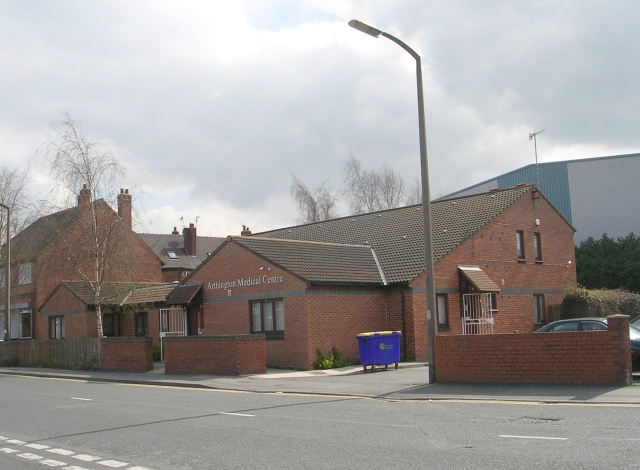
x=173, y=322
x=478, y=316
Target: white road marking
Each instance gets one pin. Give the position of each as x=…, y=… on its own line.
x=61, y=451
x=30, y=456
x=2, y=438
x=38, y=446
x=81, y=399
x=536, y=437
x=238, y=414
x=86, y=457
x=139, y=468
x=16, y=441
x=52, y=463
x=8, y=450
x=74, y=467
x=113, y=463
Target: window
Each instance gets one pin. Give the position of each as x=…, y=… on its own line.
x=537, y=246
x=267, y=316
x=538, y=308
x=24, y=274
x=3, y=277
x=493, y=302
x=56, y=327
x=21, y=323
x=142, y=324
x=107, y=324
x=520, y=244
x=441, y=309
x=172, y=255
x=566, y=326
x=593, y=326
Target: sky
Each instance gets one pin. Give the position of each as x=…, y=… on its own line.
x=213, y=105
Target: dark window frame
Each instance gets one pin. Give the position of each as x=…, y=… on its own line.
x=108, y=324
x=56, y=327
x=520, y=245
x=141, y=324
x=271, y=334
x=446, y=310
x=538, y=308
x=537, y=246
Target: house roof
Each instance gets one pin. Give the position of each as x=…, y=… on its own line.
x=319, y=262
x=396, y=235
x=161, y=244
x=120, y=293
x=29, y=243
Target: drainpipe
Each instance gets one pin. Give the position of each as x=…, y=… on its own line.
x=404, y=325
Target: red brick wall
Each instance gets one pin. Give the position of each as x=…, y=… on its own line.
x=223, y=355
x=595, y=357
x=126, y=354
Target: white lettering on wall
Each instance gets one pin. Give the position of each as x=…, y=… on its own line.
x=245, y=282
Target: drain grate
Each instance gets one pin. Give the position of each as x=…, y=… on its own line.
x=530, y=420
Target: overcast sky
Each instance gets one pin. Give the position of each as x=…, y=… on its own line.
x=212, y=105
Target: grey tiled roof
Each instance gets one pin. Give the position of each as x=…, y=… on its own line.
x=120, y=293
x=160, y=244
x=184, y=294
x=396, y=235
x=318, y=262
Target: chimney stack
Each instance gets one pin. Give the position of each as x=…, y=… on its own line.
x=245, y=231
x=124, y=207
x=189, y=235
x=175, y=231
x=84, y=199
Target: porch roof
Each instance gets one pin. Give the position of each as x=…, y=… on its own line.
x=479, y=279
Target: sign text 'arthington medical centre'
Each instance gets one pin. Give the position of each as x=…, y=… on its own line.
x=245, y=282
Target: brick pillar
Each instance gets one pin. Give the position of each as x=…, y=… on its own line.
x=619, y=325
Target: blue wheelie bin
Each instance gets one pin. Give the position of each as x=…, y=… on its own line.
x=379, y=348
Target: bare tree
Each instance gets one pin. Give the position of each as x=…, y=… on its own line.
x=371, y=190
x=415, y=193
x=13, y=194
x=97, y=243
x=314, y=205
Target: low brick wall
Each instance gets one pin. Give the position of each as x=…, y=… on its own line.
x=221, y=355
x=127, y=354
x=594, y=357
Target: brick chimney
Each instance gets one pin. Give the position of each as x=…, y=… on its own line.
x=189, y=235
x=245, y=231
x=84, y=199
x=124, y=207
x=175, y=231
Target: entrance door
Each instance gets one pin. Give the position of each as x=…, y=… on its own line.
x=173, y=322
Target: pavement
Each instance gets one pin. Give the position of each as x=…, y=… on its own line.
x=409, y=382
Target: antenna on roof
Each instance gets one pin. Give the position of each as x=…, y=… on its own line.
x=197, y=217
x=532, y=136
x=182, y=220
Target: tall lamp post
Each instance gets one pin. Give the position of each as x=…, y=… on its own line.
x=7, y=316
x=426, y=199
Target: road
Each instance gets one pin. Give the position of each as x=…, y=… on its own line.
x=78, y=425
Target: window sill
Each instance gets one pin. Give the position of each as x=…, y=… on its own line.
x=522, y=261
x=444, y=328
x=539, y=261
x=274, y=336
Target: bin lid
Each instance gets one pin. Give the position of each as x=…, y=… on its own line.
x=380, y=333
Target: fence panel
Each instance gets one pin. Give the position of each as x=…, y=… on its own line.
x=82, y=353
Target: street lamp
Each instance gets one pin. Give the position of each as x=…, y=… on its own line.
x=7, y=316
x=426, y=199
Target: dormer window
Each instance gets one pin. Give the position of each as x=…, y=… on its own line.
x=172, y=255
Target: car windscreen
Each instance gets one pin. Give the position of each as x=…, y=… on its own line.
x=634, y=333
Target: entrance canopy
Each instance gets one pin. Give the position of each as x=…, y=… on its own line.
x=478, y=279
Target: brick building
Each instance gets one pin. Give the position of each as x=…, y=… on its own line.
x=501, y=259
x=58, y=247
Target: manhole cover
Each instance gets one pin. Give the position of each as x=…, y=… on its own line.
x=530, y=420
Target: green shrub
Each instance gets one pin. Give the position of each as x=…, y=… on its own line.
x=330, y=362
x=88, y=363
x=580, y=302
x=10, y=360
x=156, y=354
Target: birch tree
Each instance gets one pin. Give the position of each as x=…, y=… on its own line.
x=314, y=205
x=98, y=242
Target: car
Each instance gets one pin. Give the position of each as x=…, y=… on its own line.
x=636, y=321
x=596, y=324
